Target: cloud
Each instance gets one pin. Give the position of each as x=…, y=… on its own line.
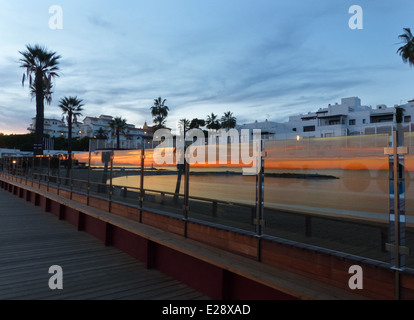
x=100, y=22
x=255, y=59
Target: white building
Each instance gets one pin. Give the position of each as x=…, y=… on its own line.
x=57, y=128
x=92, y=125
x=345, y=119
x=88, y=128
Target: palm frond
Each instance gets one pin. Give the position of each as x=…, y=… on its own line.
x=407, y=50
x=41, y=67
x=72, y=106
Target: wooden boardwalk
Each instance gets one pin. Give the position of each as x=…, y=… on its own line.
x=32, y=240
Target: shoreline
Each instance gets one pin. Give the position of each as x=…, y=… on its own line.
x=154, y=171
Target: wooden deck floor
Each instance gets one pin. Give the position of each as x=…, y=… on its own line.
x=31, y=241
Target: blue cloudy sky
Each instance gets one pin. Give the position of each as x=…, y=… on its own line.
x=262, y=59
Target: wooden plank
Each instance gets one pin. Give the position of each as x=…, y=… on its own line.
x=283, y=281
x=31, y=241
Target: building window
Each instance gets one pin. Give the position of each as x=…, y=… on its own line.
x=364, y=121
x=309, y=129
x=352, y=122
x=407, y=119
x=294, y=129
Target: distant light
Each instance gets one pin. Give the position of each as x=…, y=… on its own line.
x=14, y=161
x=298, y=138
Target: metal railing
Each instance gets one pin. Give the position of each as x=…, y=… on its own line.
x=332, y=193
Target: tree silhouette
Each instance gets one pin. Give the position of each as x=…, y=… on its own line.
x=42, y=68
x=212, y=122
x=159, y=112
x=407, y=50
x=228, y=121
x=71, y=107
x=118, y=127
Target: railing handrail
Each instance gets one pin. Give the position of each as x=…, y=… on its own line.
x=39, y=168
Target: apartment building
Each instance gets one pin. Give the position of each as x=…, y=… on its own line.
x=348, y=118
x=56, y=128
x=91, y=127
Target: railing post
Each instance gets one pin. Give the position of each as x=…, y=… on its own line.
x=89, y=177
x=18, y=170
x=33, y=169
x=26, y=171
x=58, y=182
x=186, y=207
x=70, y=160
x=110, y=180
x=141, y=183
x=259, y=221
x=397, y=207
x=48, y=173
x=40, y=171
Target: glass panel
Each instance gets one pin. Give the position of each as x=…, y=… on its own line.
x=54, y=171
x=80, y=172
x=2, y=165
x=37, y=169
x=163, y=183
x=409, y=196
x=30, y=168
x=329, y=192
x=220, y=190
x=64, y=173
x=100, y=173
x=19, y=167
x=44, y=177
x=126, y=176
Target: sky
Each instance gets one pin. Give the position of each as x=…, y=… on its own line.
x=262, y=59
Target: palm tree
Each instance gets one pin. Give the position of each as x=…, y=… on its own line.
x=47, y=91
x=197, y=123
x=118, y=127
x=212, y=122
x=228, y=121
x=407, y=50
x=159, y=111
x=407, y=54
x=184, y=125
x=71, y=107
x=101, y=134
x=43, y=66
